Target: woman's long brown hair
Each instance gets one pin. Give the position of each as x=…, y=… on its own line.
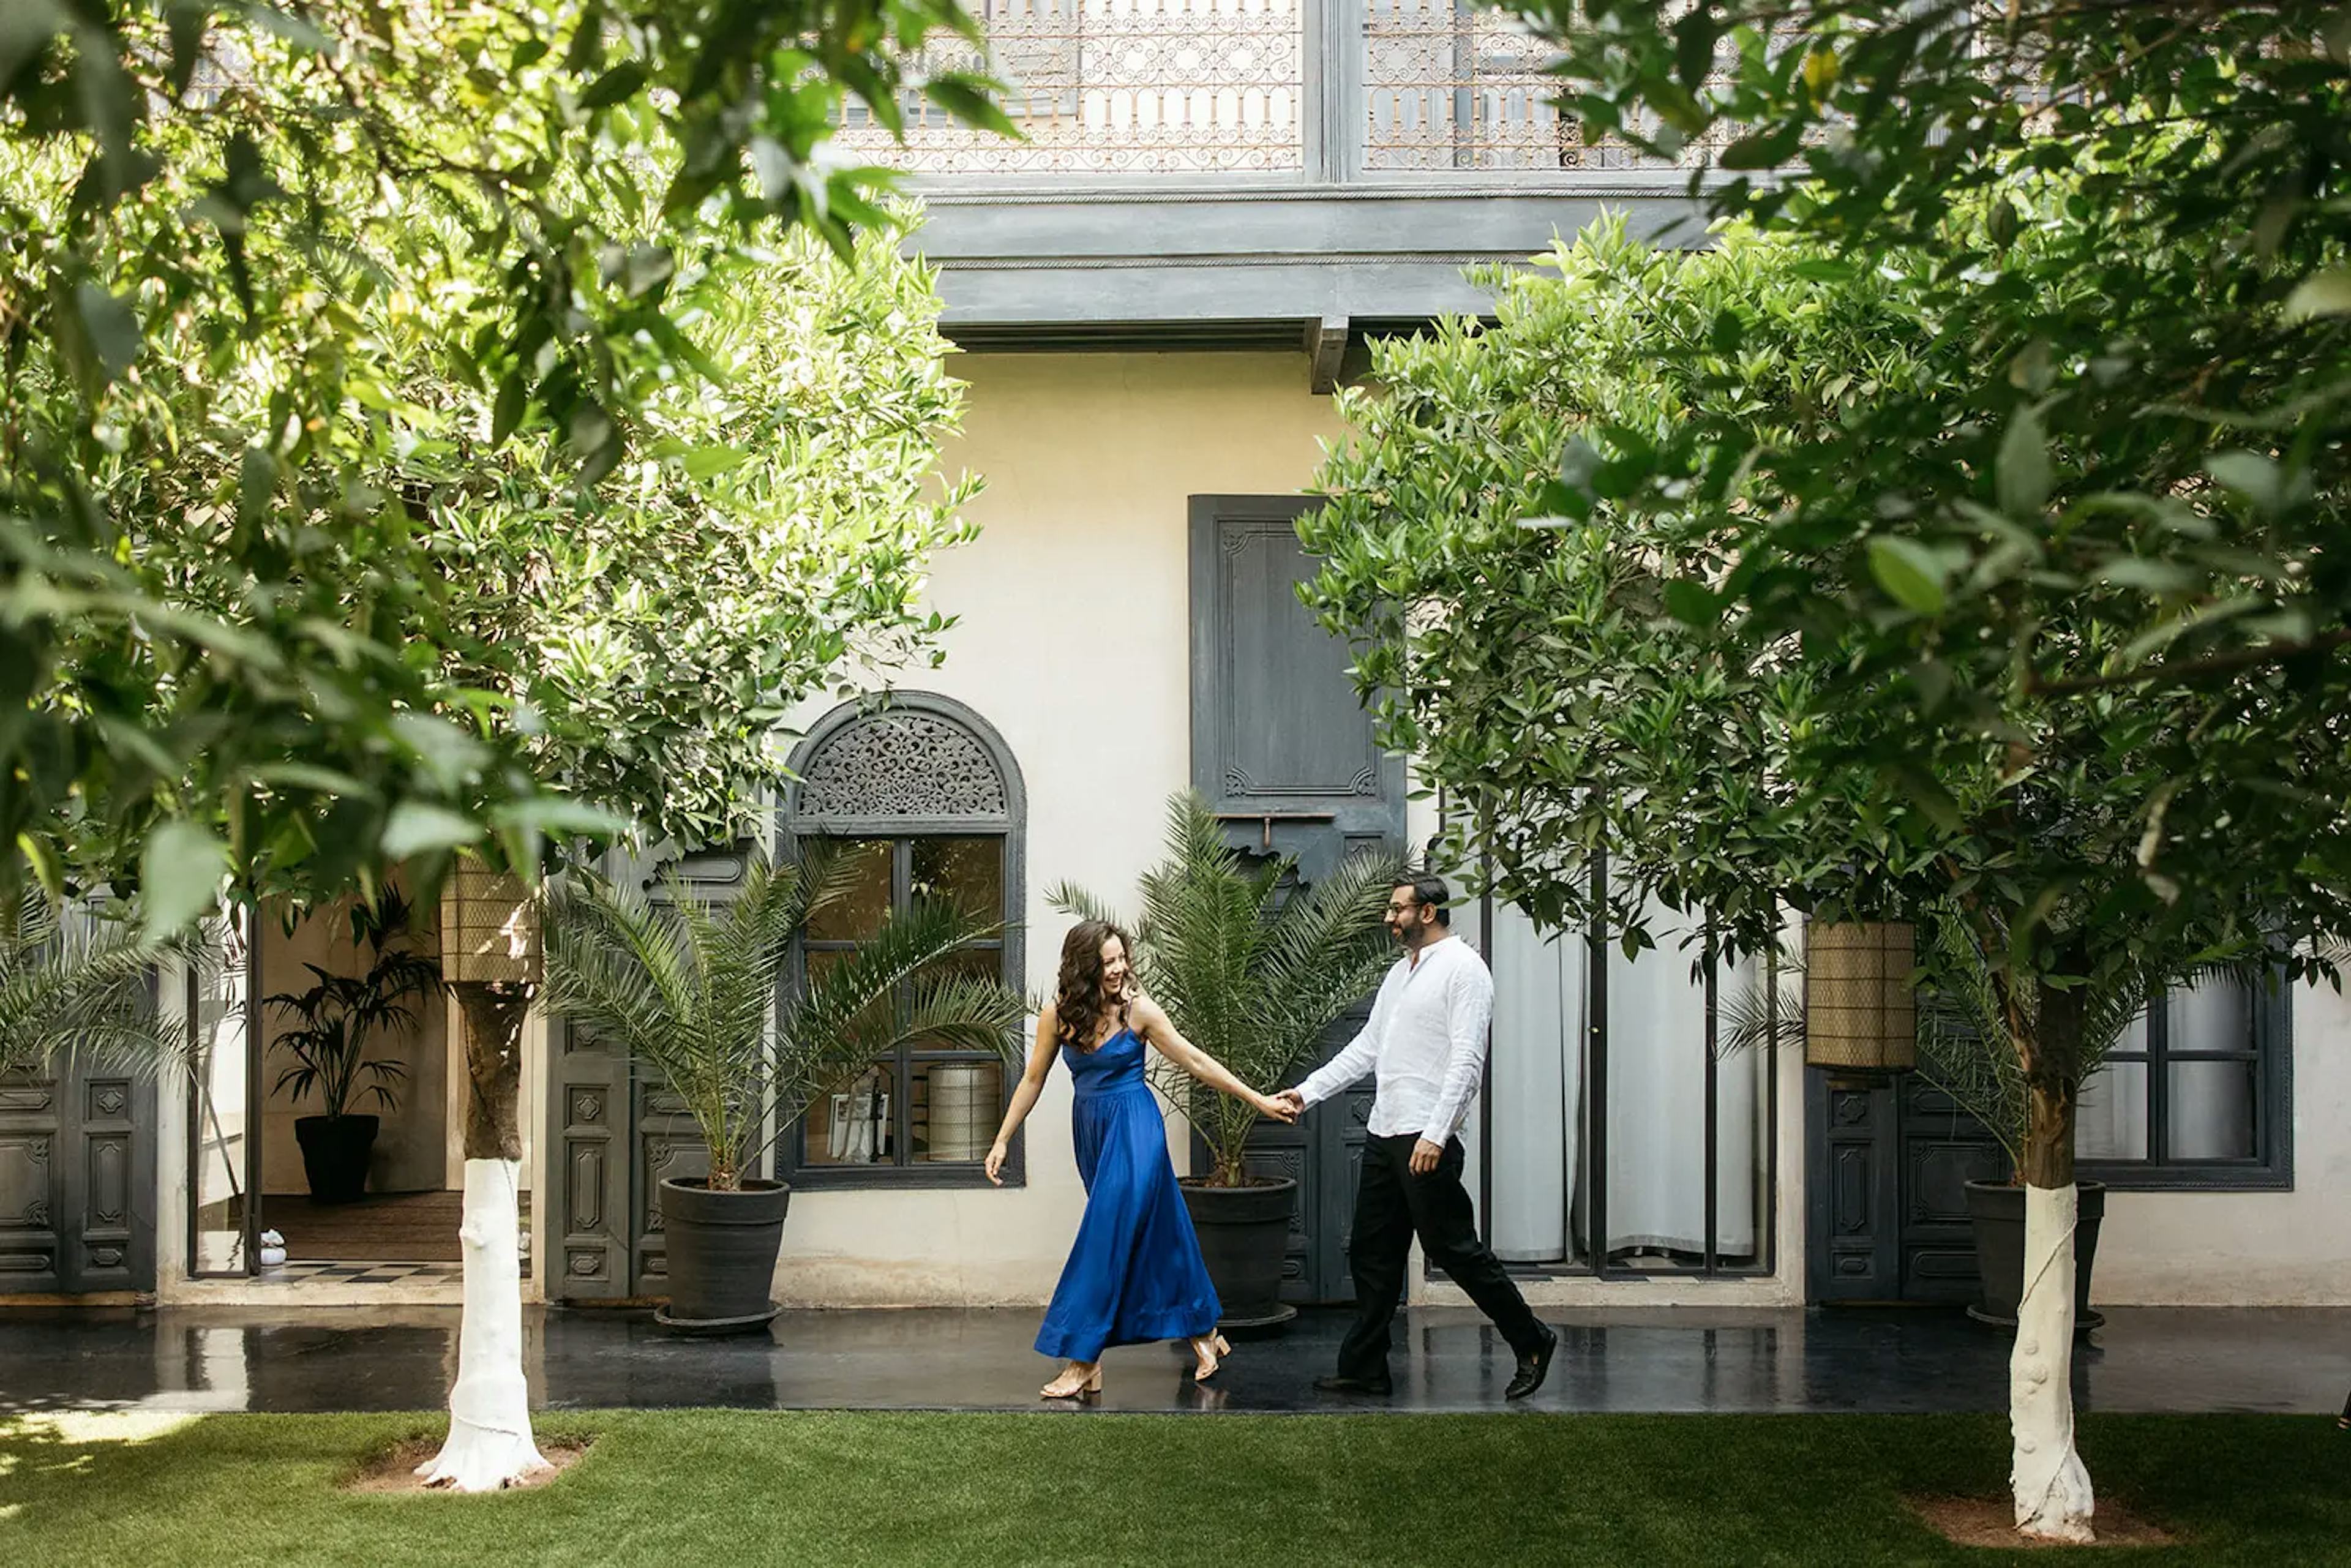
x=1078, y=1003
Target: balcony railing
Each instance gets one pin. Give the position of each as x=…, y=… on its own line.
x=1324, y=90
x=1119, y=87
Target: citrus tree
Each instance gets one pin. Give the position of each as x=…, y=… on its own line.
x=1666, y=564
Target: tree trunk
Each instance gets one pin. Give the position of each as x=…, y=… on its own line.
x=2054, y=1500
x=490, y=1444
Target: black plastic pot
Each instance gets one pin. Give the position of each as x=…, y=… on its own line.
x=335, y=1151
x=1244, y=1235
x=722, y=1254
x=1997, y=1211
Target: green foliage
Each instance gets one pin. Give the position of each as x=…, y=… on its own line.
x=1714, y=561
x=74, y=983
x=340, y=1016
x=688, y=988
x=353, y=358
x=1252, y=965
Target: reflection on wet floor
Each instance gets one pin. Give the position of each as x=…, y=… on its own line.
x=1666, y=1359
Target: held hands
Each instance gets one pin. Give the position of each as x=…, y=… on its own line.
x=1282, y=1107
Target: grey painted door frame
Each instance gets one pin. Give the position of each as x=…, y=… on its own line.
x=1285, y=755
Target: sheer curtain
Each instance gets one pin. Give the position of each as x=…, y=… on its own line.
x=1656, y=1103
x=1536, y=1093
x=2210, y=1103
x=1534, y=1085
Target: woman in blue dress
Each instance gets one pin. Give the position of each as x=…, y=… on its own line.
x=1135, y=1273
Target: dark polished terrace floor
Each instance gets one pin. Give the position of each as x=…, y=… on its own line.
x=1679, y=1359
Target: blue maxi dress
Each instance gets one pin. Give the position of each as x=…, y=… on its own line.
x=1134, y=1272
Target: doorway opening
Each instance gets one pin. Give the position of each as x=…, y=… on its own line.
x=329, y=1109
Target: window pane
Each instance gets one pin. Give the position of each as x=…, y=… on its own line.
x=967, y=873
x=2212, y=1111
x=956, y=1107
x=877, y=1015
x=2110, y=1120
x=2215, y=1016
x=859, y=913
x=851, y=1125
x=972, y=963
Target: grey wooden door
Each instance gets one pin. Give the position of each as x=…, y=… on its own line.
x=78, y=1181
x=1890, y=1160
x=1285, y=755
x=613, y=1134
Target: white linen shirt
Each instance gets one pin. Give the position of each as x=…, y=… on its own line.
x=1424, y=1044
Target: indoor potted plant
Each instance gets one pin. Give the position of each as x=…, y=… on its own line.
x=1252, y=967
x=336, y=1022
x=689, y=987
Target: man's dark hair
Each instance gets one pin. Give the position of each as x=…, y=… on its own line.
x=1432, y=892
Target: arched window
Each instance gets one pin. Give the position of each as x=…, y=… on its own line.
x=922, y=793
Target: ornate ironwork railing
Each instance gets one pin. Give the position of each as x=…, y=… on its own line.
x=1252, y=86
x=1449, y=85
x=1117, y=86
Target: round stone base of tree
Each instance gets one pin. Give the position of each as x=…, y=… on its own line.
x=1992, y=1522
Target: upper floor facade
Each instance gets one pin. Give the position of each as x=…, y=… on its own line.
x=1249, y=173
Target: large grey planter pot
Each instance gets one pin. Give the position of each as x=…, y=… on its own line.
x=1996, y=1210
x=722, y=1254
x=1244, y=1235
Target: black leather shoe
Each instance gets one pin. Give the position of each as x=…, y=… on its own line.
x=1532, y=1368
x=1379, y=1387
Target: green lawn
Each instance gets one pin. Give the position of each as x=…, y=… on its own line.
x=749, y=1488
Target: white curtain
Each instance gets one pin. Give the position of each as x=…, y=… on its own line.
x=1534, y=1085
x=2212, y=1102
x=1656, y=1103
x=1535, y=1089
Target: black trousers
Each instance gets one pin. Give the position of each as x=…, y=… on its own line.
x=1392, y=1206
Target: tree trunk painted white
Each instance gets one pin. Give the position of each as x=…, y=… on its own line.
x=489, y=1444
x=2053, y=1489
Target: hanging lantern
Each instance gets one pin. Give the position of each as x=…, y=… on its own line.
x=489, y=927
x=1860, y=1012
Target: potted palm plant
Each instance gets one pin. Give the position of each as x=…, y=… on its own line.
x=1252, y=967
x=689, y=987
x=337, y=1022
x=73, y=983
x=1965, y=1049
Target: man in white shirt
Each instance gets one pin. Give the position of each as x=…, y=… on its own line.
x=1425, y=1047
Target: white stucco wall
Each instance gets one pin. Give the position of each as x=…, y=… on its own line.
x=1074, y=643
x=2252, y=1249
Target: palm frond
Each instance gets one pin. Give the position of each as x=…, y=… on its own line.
x=1250, y=972
x=75, y=984
x=688, y=988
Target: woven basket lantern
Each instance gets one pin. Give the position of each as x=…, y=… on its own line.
x=489, y=928
x=1860, y=1013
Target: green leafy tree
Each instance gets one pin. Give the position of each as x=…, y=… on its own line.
x=226, y=639
x=2102, y=545
x=1252, y=965
x=1620, y=567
